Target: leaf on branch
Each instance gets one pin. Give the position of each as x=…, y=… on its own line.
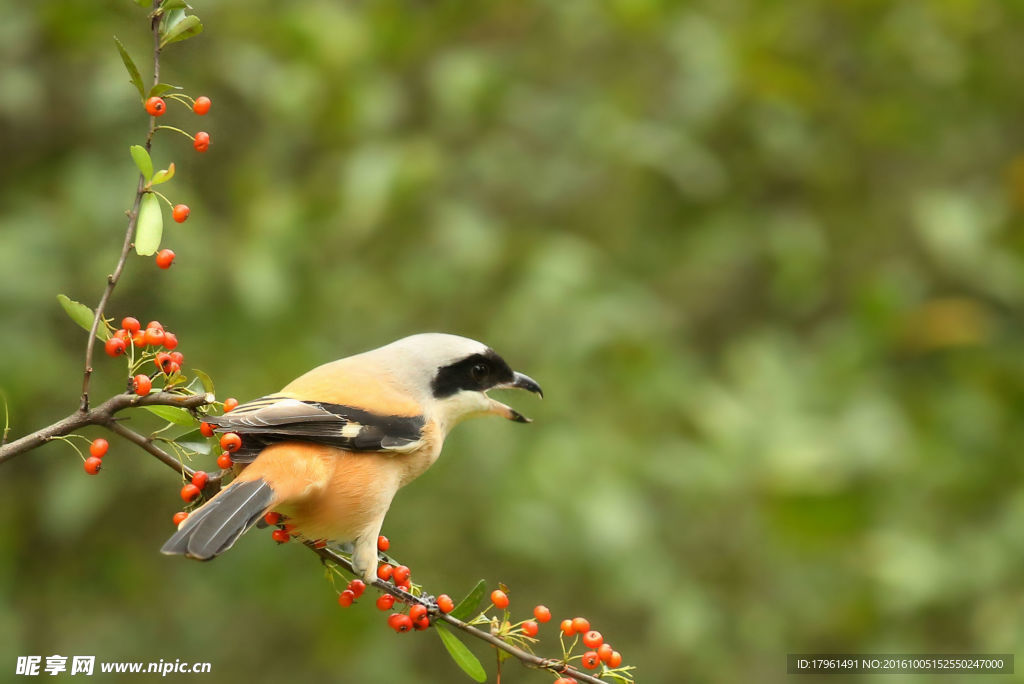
x=467, y=607
x=151, y=225
x=133, y=71
x=163, y=175
x=82, y=315
x=182, y=30
x=193, y=440
x=142, y=160
x=173, y=414
x=205, y=379
x=161, y=88
x=461, y=654
x=169, y=5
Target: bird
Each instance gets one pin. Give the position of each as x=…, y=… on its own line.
x=332, y=448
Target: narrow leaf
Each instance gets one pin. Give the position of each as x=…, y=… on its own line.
x=467, y=607
x=82, y=315
x=161, y=88
x=133, y=71
x=163, y=175
x=205, y=379
x=173, y=414
x=150, y=226
x=183, y=30
x=142, y=160
x=461, y=654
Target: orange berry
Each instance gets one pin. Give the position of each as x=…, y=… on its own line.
x=406, y=585
x=421, y=624
x=445, y=603
x=99, y=447
x=163, y=361
x=590, y=660
x=604, y=652
x=139, y=339
x=272, y=518
x=615, y=659
x=385, y=602
x=114, y=346
x=179, y=517
x=202, y=141
x=230, y=442
x=400, y=623
x=230, y=404
x=592, y=639
x=164, y=258
x=401, y=575
x=200, y=478
x=93, y=465
x=542, y=613
x=202, y=105
x=141, y=384
x=224, y=461
x=357, y=587
x=189, y=493
x=130, y=324
x=567, y=628
x=384, y=571
x=156, y=106
x=206, y=430
x=123, y=335
x=280, y=536
x=346, y=598
x=180, y=212
x=499, y=598
x=530, y=628
x=155, y=324
x=154, y=337
x=170, y=341
x=320, y=544
x=417, y=611
x=382, y=543
x=581, y=625
x=565, y=680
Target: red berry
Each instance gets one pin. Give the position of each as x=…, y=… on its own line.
x=230, y=442
x=417, y=611
x=224, y=461
x=99, y=447
x=499, y=598
x=155, y=324
x=581, y=625
x=592, y=639
x=200, y=478
x=164, y=258
x=173, y=367
x=205, y=429
x=189, y=493
x=542, y=613
x=230, y=404
x=114, y=346
x=567, y=628
x=180, y=212
x=399, y=622
x=202, y=141
x=530, y=628
x=320, y=544
x=272, y=518
x=141, y=384
x=290, y=529
x=156, y=106
x=130, y=324
x=421, y=624
x=401, y=575
x=590, y=660
x=139, y=339
x=346, y=598
x=406, y=585
x=604, y=652
x=385, y=602
x=170, y=341
x=280, y=536
x=565, y=680
x=383, y=544
x=615, y=659
x=162, y=361
x=154, y=337
x=202, y=105
x=445, y=603
x=179, y=517
x=93, y=464
x=123, y=335
x=384, y=571
x=357, y=587
x=176, y=357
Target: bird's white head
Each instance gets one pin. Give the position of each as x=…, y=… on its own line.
x=451, y=375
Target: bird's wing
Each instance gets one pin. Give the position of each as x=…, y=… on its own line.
x=276, y=418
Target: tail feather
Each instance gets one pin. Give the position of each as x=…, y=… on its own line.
x=215, y=527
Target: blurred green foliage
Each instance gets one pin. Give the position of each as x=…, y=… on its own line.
x=765, y=258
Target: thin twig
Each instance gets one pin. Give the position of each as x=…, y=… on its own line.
x=133, y=218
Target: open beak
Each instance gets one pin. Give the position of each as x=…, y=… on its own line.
x=519, y=381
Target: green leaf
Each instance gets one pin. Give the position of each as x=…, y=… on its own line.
x=467, y=607
x=82, y=315
x=193, y=440
x=163, y=175
x=161, y=88
x=151, y=225
x=169, y=5
x=133, y=71
x=461, y=654
x=205, y=379
x=173, y=414
x=183, y=30
x=142, y=160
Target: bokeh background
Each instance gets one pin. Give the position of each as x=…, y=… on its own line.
x=765, y=258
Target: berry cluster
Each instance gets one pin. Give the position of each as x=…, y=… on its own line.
x=97, y=450
x=157, y=106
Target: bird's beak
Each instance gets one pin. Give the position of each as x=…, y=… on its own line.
x=519, y=381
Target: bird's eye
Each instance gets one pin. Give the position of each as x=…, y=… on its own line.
x=479, y=371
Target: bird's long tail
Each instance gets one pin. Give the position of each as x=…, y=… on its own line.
x=213, y=528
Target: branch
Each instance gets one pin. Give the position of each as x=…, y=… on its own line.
x=133, y=218
x=527, y=658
